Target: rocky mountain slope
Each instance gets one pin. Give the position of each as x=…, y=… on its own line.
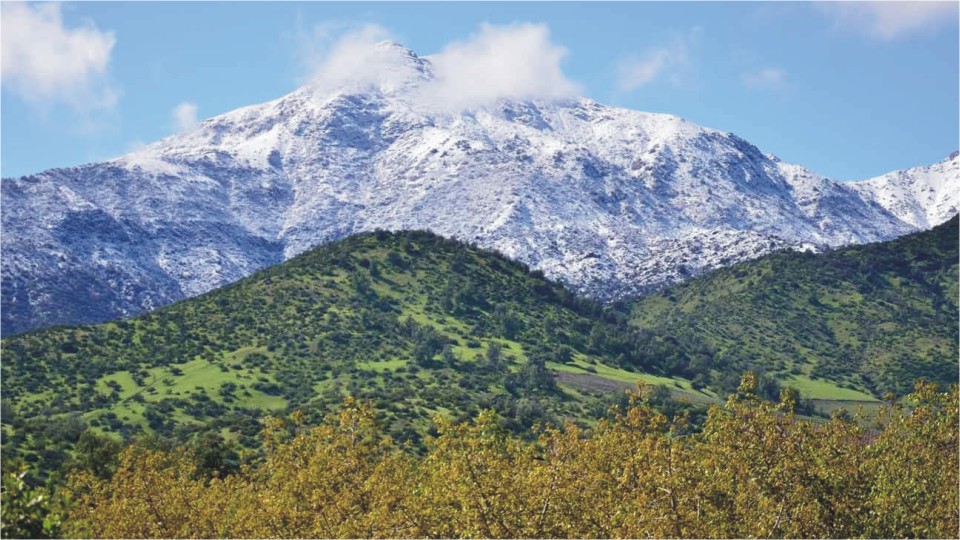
x=922, y=196
x=610, y=201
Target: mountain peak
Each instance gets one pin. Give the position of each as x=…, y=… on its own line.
x=398, y=52
x=610, y=201
x=386, y=66
x=390, y=45
x=921, y=196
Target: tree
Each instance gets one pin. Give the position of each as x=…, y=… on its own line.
x=214, y=456
x=28, y=512
x=507, y=323
x=97, y=454
x=755, y=470
x=447, y=356
x=494, y=355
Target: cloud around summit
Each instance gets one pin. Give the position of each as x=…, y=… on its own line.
x=516, y=61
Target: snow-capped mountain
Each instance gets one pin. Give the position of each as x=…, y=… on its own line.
x=611, y=201
x=923, y=196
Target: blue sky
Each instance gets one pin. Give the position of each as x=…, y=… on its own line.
x=849, y=90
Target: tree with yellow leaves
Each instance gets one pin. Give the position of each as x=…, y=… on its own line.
x=754, y=470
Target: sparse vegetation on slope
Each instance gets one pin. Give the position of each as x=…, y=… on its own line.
x=414, y=323
x=419, y=325
x=840, y=325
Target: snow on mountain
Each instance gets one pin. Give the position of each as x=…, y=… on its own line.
x=611, y=201
x=923, y=196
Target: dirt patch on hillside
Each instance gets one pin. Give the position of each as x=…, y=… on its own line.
x=586, y=382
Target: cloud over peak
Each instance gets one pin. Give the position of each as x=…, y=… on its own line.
x=361, y=57
x=517, y=61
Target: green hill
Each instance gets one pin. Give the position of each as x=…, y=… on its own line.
x=419, y=325
x=870, y=318
x=414, y=323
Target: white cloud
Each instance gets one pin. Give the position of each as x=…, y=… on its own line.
x=891, y=20
x=764, y=79
x=134, y=145
x=46, y=63
x=667, y=63
x=517, y=61
x=632, y=73
x=358, y=58
x=185, y=116
x=312, y=44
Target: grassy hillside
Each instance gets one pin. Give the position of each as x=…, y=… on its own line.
x=871, y=318
x=414, y=323
x=419, y=326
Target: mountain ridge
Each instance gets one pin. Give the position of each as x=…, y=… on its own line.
x=610, y=201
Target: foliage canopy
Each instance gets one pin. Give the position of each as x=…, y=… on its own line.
x=755, y=470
